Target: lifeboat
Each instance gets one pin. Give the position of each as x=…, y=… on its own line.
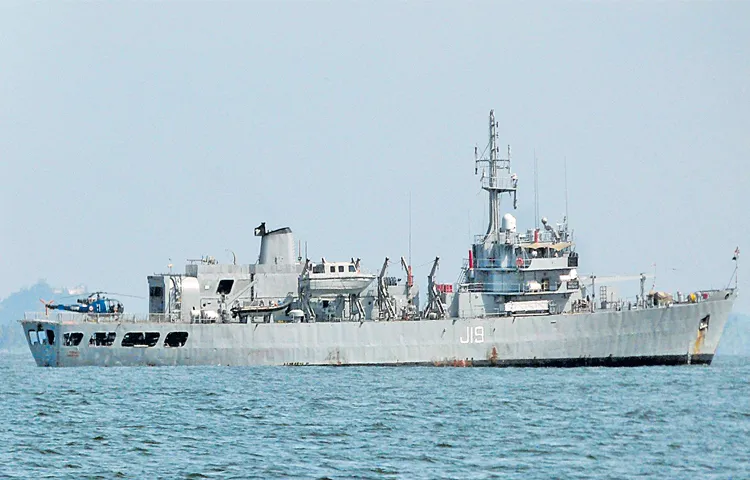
x=335, y=278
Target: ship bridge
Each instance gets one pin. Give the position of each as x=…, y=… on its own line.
x=507, y=270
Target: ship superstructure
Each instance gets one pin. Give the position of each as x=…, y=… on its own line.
x=519, y=301
x=512, y=272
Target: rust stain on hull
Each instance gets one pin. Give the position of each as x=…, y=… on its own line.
x=493, y=356
x=334, y=357
x=699, y=341
x=453, y=362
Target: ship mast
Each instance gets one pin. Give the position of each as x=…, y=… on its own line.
x=498, y=180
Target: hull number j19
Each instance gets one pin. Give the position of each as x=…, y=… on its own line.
x=473, y=335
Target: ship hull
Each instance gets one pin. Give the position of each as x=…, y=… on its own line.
x=679, y=334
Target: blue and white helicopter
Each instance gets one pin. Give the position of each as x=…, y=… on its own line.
x=95, y=303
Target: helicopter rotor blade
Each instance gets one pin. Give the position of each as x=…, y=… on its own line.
x=101, y=294
x=46, y=306
x=119, y=294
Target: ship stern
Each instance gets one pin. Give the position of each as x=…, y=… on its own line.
x=43, y=339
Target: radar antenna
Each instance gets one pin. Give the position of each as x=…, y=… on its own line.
x=536, y=191
x=499, y=178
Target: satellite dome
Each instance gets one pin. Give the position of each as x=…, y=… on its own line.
x=509, y=223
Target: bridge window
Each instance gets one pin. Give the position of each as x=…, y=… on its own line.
x=140, y=339
x=175, y=339
x=156, y=292
x=225, y=286
x=72, y=339
x=319, y=269
x=352, y=268
x=573, y=259
x=333, y=269
x=341, y=268
x=102, y=339
x=50, y=337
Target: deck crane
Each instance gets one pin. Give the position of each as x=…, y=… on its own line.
x=386, y=310
x=435, y=308
x=410, y=311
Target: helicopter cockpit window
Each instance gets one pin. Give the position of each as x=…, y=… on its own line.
x=225, y=286
x=113, y=306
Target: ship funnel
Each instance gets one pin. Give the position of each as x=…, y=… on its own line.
x=276, y=247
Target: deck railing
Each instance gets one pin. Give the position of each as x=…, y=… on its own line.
x=500, y=182
x=72, y=317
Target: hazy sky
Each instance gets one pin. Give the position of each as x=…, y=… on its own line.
x=132, y=133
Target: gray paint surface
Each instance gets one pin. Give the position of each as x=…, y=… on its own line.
x=656, y=332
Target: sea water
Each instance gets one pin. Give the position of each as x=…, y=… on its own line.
x=373, y=422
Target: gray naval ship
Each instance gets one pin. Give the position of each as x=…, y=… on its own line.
x=519, y=301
